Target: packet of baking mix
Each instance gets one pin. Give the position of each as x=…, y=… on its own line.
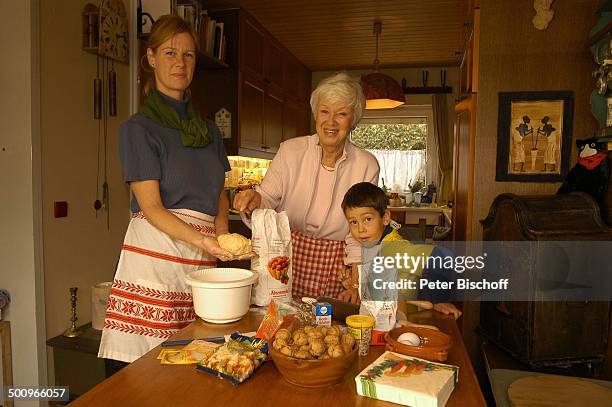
x=237, y=359
x=282, y=314
x=199, y=350
x=194, y=352
x=270, y=323
x=173, y=357
x=271, y=240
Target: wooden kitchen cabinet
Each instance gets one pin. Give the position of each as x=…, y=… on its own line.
x=252, y=40
x=297, y=80
x=290, y=118
x=252, y=114
x=273, y=64
x=261, y=116
x=273, y=120
x=296, y=119
x=265, y=88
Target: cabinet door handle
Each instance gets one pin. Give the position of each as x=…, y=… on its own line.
x=265, y=147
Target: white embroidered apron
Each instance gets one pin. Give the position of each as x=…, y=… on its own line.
x=149, y=299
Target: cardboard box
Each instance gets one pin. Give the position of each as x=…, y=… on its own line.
x=322, y=314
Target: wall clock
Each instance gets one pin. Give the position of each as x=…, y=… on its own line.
x=113, y=30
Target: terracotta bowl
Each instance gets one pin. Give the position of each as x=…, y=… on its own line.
x=434, y=344
x=313, y=373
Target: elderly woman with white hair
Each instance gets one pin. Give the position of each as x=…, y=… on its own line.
x=308, y=179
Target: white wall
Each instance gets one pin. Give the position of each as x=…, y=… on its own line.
x=48, y=144
x=80, y=250
x=20, y=214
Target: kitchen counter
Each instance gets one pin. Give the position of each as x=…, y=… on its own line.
x=148, y=383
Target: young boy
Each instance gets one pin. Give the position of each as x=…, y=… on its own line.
x=365, y=208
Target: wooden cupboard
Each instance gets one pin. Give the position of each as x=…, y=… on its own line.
x=463, y=168
x=465, y=129
x=265, y=88
x=468, y=67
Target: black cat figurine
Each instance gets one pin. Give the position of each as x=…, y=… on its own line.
x=591, y=172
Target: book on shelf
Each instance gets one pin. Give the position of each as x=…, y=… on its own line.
x=223, y=48
x=203, y=29
x=217, y=41
x=189, y=13
x=210, y=36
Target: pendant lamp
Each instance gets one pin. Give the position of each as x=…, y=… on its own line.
x=380, y=90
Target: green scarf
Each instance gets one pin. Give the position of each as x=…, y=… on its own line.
x=194, y=132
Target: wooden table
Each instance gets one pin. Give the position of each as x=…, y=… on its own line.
x=148, y=383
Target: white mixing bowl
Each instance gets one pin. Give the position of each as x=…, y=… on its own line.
x=221, y=295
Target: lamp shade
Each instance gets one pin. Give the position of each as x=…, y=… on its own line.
x=381, y=91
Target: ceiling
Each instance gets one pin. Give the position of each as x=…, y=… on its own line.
x=338, y=34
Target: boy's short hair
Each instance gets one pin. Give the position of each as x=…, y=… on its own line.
x=365, y=194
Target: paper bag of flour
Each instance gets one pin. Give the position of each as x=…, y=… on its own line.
x=271, y=240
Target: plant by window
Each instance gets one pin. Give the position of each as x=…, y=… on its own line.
x=417, y=186
x=390, y=136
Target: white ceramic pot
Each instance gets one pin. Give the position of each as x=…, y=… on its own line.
x=221, y=295
x=417, y=197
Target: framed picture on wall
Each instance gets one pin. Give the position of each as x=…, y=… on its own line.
x=534, y=136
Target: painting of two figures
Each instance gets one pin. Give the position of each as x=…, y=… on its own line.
x=535, y=137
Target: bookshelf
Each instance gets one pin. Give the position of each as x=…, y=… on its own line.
x=265, y=88
x=208, y=61
x=210, y=31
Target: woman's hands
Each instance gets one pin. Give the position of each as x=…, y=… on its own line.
x=211, y=245
x=247, y=256
x=247, y=201
x=351, y=295
x=148, y=197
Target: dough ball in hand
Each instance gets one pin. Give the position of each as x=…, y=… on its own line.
x=234, y=243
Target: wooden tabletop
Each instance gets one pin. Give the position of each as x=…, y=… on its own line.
x=148, y=383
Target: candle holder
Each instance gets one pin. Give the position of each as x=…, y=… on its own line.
x=73, y=331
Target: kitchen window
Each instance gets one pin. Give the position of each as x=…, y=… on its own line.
x=402, y=141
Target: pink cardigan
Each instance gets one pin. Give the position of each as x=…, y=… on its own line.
x=289, y=186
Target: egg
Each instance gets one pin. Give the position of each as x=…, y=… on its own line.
x=409, y=338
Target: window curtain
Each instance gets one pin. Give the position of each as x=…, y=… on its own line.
x=400, y=167
x=444, y=147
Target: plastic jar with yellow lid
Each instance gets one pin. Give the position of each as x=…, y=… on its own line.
x=360, y=326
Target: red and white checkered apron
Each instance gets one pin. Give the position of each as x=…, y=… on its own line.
x=317, y=266
x=149, y=299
